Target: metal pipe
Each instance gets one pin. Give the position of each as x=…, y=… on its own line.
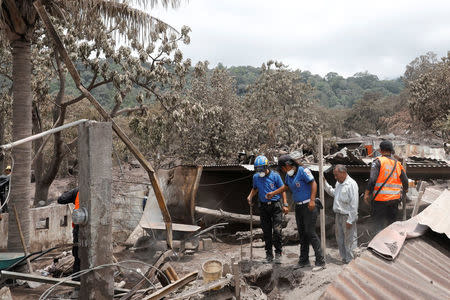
x=40, y=135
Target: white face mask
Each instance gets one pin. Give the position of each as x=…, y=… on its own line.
x=291, y=172
x=262, y=174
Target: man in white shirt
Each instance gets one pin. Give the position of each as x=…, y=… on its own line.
x=345, y=206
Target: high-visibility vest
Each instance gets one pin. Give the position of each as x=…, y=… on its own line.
x=393, y=188
x=77, y=205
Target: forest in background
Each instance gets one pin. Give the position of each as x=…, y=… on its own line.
x=332, y=90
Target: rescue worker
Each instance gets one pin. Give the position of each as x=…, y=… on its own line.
x=8, y=170
x=271, y=210
x=384, y=189
x=345, y=207
x=304, y=189
x=72, y=196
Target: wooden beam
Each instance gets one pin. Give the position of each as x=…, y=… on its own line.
x=125, y=139
x=24, y=246
x=232, y=217
x=421, y=189
x=195, y=186
x=48, y=280
x=172, y=287
x=322, y=199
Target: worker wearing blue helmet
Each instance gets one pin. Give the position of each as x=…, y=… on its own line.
x=271, y=210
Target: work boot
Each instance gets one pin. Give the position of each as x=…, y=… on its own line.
x=277, y=259
x=269, y=258
x=320, y=263
x=304, y=264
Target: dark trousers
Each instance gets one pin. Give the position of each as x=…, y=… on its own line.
x=306, y=225
x=271, y=224
x=384, y=214
x=76, y=262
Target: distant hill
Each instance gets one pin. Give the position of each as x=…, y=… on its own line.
x=333, y=90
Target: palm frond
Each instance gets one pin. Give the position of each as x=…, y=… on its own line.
x=114, y=12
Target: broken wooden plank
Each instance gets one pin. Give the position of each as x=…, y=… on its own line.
x=194, y=191
x=204, y=288
x=175, y=226
x=231, y=217
x=421, y=189
x=172, y=287
x=149, y=275
x=49, y=280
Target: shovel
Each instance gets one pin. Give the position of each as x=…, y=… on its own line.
x=251, y=232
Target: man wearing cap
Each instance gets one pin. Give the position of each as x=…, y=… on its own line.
x=345, y=207
x=304, y=189
x=387, y=179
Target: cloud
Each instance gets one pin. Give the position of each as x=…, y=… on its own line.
x=321, y=36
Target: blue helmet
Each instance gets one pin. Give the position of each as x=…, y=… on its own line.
x=261, y=163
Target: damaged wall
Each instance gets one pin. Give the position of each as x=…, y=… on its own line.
x=51, y=226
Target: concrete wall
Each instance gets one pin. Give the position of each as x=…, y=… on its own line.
x=50, y=226
x=48, y=229
x=126, y=213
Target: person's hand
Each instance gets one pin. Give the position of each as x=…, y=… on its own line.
x=348, y=225
x=285, y=210
x=269, y=195
x=366, y=199
x=249, y=200
x=311, y=205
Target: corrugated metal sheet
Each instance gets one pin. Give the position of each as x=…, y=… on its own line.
x=421, y=271
x=436, y=216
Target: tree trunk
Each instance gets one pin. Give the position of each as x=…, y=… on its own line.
x=45, y=177
x=21, y=128
x=2, y=140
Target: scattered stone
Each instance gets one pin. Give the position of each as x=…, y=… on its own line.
x=5, y=293
x=207, y=244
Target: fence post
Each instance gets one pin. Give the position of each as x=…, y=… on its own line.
x=95, y=237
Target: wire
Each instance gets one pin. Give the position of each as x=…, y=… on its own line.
x=47, y=292
x=226, y=182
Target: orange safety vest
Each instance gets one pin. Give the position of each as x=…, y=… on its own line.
x=77, y=205
x=393, y=188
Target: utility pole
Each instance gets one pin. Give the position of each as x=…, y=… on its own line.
x=95, y=235
x=322, y=198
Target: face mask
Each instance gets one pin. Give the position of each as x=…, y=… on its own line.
x=291, y=172
x=262, y=174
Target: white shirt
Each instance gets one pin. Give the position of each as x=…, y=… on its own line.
x=345, y=198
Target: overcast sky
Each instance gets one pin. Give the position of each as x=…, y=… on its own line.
x=321, y=36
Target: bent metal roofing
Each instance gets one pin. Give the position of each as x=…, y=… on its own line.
x=421, y=271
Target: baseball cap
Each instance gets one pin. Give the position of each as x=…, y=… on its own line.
x=387, y=146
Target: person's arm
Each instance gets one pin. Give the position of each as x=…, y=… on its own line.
x=312, y=202
x=328, y=188
x=282, y=189
x=374, y=172
x=353, y=197
x=404, y=180
x=68, y=197
x=285, y=203
x=251, y=195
